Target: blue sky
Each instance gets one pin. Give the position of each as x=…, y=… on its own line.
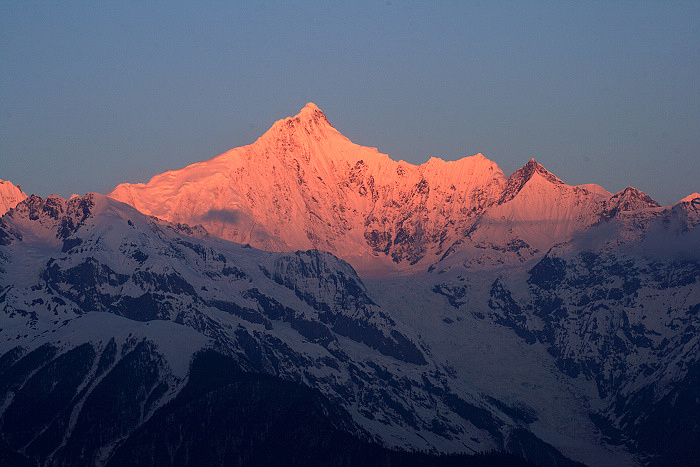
x=93, y=94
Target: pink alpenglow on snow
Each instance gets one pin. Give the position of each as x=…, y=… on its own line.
x=303, y=185
x=10, y=195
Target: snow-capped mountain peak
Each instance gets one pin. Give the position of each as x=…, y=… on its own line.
x=690, y=198
x=629, y=199
x=10, y=195
x=533, y=167
x=304, y=185
x=309, y=122
x=523, y=175
x=311, y=112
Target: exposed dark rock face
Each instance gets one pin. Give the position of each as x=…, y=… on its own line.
x=332, y=287
x=65, y=415
x=598, y=318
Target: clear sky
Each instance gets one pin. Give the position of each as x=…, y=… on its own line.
x=93, y=94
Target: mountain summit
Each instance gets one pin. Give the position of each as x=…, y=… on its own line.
x=521, y=176
x=303, y=185
x=10, y=195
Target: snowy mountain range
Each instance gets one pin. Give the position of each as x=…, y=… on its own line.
x=303, y=185
x=445, y=307
x=10, y=195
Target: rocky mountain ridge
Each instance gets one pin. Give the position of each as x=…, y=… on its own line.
x=304, y=185
x=103, y=309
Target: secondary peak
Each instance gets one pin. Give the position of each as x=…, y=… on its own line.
x=523, y=175
x=528, y=170
x=690, y=198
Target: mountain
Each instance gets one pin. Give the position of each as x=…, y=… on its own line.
x=10, y=195
x=476, y=249
x=114, y=324
x=629, y=199
x=617, y=308
x=304, y=185
x=445, y=308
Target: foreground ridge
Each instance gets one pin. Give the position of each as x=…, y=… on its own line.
x=112, y=321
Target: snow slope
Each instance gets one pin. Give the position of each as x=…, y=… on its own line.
x=616, y=308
